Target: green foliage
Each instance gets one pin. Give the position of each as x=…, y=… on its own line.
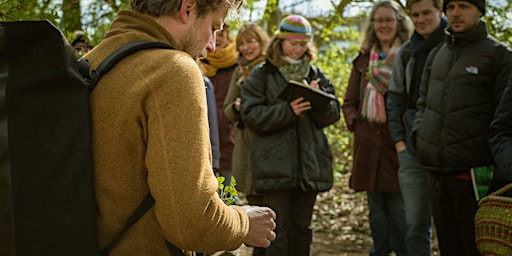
x=99, y=15
x=499, y=21
x=71, y=15
x=30, y=10
x=271, y=16
x=228, y=194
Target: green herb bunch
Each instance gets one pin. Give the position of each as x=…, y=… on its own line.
x=228, y=194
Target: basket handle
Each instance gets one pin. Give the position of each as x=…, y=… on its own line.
x=501, y=190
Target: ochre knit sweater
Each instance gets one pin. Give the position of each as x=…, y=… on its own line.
x=150, y=133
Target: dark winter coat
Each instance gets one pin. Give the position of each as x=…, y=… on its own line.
x=213, y=123
x=375, y=162
x=501, y=139
x=288, y=151
x=461, y=87
x=221, y=82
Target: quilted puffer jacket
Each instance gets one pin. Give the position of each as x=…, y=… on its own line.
x=462, y=84
x=288, y=151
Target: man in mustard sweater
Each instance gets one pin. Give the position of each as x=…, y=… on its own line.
x=150, y=135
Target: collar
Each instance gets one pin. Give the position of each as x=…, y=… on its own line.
x=460, y=39
x=129, y=23
x=419, y=44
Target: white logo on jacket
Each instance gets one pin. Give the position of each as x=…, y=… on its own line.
x=472, y=70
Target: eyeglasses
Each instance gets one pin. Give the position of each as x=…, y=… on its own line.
x=387, y=21
x=251, y=41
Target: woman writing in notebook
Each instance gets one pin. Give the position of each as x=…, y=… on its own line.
x=291, y=158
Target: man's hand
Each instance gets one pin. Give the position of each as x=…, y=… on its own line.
x=400, y=146
x=261, y=226
x=237, y=104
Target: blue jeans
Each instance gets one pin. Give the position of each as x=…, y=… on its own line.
x=413, y=181
x=387, y=223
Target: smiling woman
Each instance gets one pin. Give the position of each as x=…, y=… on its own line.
x=375, y=162
x=291, y=159
x=251, y=43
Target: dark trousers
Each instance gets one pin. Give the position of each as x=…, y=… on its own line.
x=294, y=210
x=453, y=207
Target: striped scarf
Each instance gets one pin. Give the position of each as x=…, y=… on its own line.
x=379, y=73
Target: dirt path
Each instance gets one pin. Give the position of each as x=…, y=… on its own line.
x=340, y=225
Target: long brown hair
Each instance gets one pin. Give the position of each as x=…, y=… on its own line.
x=252, y=30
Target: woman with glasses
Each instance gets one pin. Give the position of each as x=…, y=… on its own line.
x=375, y=162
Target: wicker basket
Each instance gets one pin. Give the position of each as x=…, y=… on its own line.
x=493, y=224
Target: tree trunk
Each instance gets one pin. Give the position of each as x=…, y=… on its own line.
x=72, y=16
x=272, y=16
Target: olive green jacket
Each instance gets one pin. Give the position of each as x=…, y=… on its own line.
x=242, y=170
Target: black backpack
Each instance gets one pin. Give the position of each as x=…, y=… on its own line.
x=47, y=204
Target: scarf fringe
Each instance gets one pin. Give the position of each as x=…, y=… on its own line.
x=374, y=106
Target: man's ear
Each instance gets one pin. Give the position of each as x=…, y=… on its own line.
x=186, y=9
x=440, y=12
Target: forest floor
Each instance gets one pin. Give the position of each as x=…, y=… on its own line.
x=340, y=224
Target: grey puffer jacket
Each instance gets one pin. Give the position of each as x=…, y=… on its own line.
x=460, y=89
x=288, y=151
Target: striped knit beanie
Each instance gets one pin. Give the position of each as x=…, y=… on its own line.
x=294, y=27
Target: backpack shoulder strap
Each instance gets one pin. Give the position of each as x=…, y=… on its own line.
x=111, y=60
x=143, y=207
x=92, y=80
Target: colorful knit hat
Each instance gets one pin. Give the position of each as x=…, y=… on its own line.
x=480, y=4
x=294, y=27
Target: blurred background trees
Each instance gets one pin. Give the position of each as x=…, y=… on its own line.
x=336, y=24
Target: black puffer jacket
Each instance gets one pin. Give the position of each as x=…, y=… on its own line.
x=501, y=138
x=461, y=86
x=287, y=151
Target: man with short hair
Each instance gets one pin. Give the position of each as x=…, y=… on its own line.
x=461, y=86
x=427, y=17
x=150, y=135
